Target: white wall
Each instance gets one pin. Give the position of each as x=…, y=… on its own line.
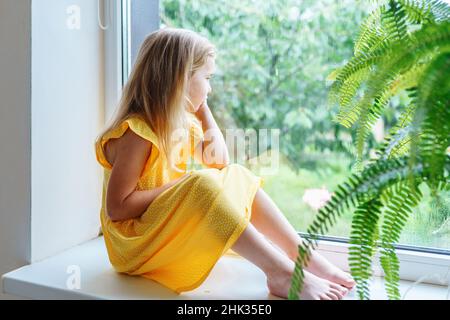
x=51, y=108
x=67, y=111
x=15, y=134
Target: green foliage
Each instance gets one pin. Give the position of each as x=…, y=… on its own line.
x=403, y=46
x=362, y=240
x=273, y=58
x=382, y=184
x=399, y=200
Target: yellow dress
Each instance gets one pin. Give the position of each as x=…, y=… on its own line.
x=188, y=227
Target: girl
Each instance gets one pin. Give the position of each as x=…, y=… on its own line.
x=169, y=225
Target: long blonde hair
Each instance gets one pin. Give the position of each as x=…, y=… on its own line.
x=157, y=88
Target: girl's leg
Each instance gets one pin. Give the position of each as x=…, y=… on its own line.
x=278, y=268
x=270, y=221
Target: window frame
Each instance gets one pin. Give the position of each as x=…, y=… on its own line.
x=412, y=261
x=114, y=52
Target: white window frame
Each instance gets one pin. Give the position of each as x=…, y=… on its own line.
x=417, y=266
x=121, y=47
x=114, y=66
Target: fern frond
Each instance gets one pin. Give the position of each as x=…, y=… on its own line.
x=408, y=79
x=434, y=107
x=401, y=199
x=379, y=85
x=389, y=65
x=349, y=115
x=355, y=192
x=373, y=31
x=350, y=89
x=371, y=34
x=393, y=20
x=417, y=11
x=397, y=142
x=356, y=64
x=407, y=116
x=358, y=189
x=425, y=11
x=362, y=243
x=369, y=115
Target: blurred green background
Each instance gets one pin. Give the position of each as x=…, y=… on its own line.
x=273, y=61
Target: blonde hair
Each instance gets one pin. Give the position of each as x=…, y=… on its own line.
x=157, y=88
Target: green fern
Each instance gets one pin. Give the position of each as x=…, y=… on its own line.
x=364, y=191
x=362, y=243
x=434, y=106
x=384, y=72
x=403, y=46
x=380, y=85
x=370, y=35
x=357, y=191
x=401, y=198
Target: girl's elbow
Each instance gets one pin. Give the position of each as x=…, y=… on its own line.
x=218, y=161
x=113, y=213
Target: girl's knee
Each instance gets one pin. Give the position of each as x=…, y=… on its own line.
x=240, y=169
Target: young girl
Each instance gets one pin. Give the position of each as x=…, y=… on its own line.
x=169, y=225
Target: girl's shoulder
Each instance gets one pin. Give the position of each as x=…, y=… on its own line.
x=129, y=142
x=132, y=129
x=140, y=127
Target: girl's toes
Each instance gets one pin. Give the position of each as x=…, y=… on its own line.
x=345, y=280
x=349, y=282
x=340, y=288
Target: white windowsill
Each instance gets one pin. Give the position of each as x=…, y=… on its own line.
x=232, y=278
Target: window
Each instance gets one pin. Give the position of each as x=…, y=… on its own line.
x=138, y=19
x=274, y=58
x=273, y=61
x=272, y=65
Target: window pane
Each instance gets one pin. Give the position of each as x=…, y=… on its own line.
x=273, y=61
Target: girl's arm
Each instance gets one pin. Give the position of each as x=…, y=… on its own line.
x=135, y=204
x=123, y=201
x=214, y=149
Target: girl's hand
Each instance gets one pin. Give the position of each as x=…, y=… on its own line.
x=203, y=107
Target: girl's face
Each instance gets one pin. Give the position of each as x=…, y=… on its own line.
x=199, y=86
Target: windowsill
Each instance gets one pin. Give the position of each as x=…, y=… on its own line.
x=231, y=278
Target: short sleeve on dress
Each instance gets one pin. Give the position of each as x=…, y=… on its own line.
x=137, y=125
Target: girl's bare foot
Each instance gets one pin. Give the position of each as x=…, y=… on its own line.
x=322, y=268
x=314, y=288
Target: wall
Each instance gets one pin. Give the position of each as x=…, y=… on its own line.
x=67, y=109
x=51, y=109
x=15, y=134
